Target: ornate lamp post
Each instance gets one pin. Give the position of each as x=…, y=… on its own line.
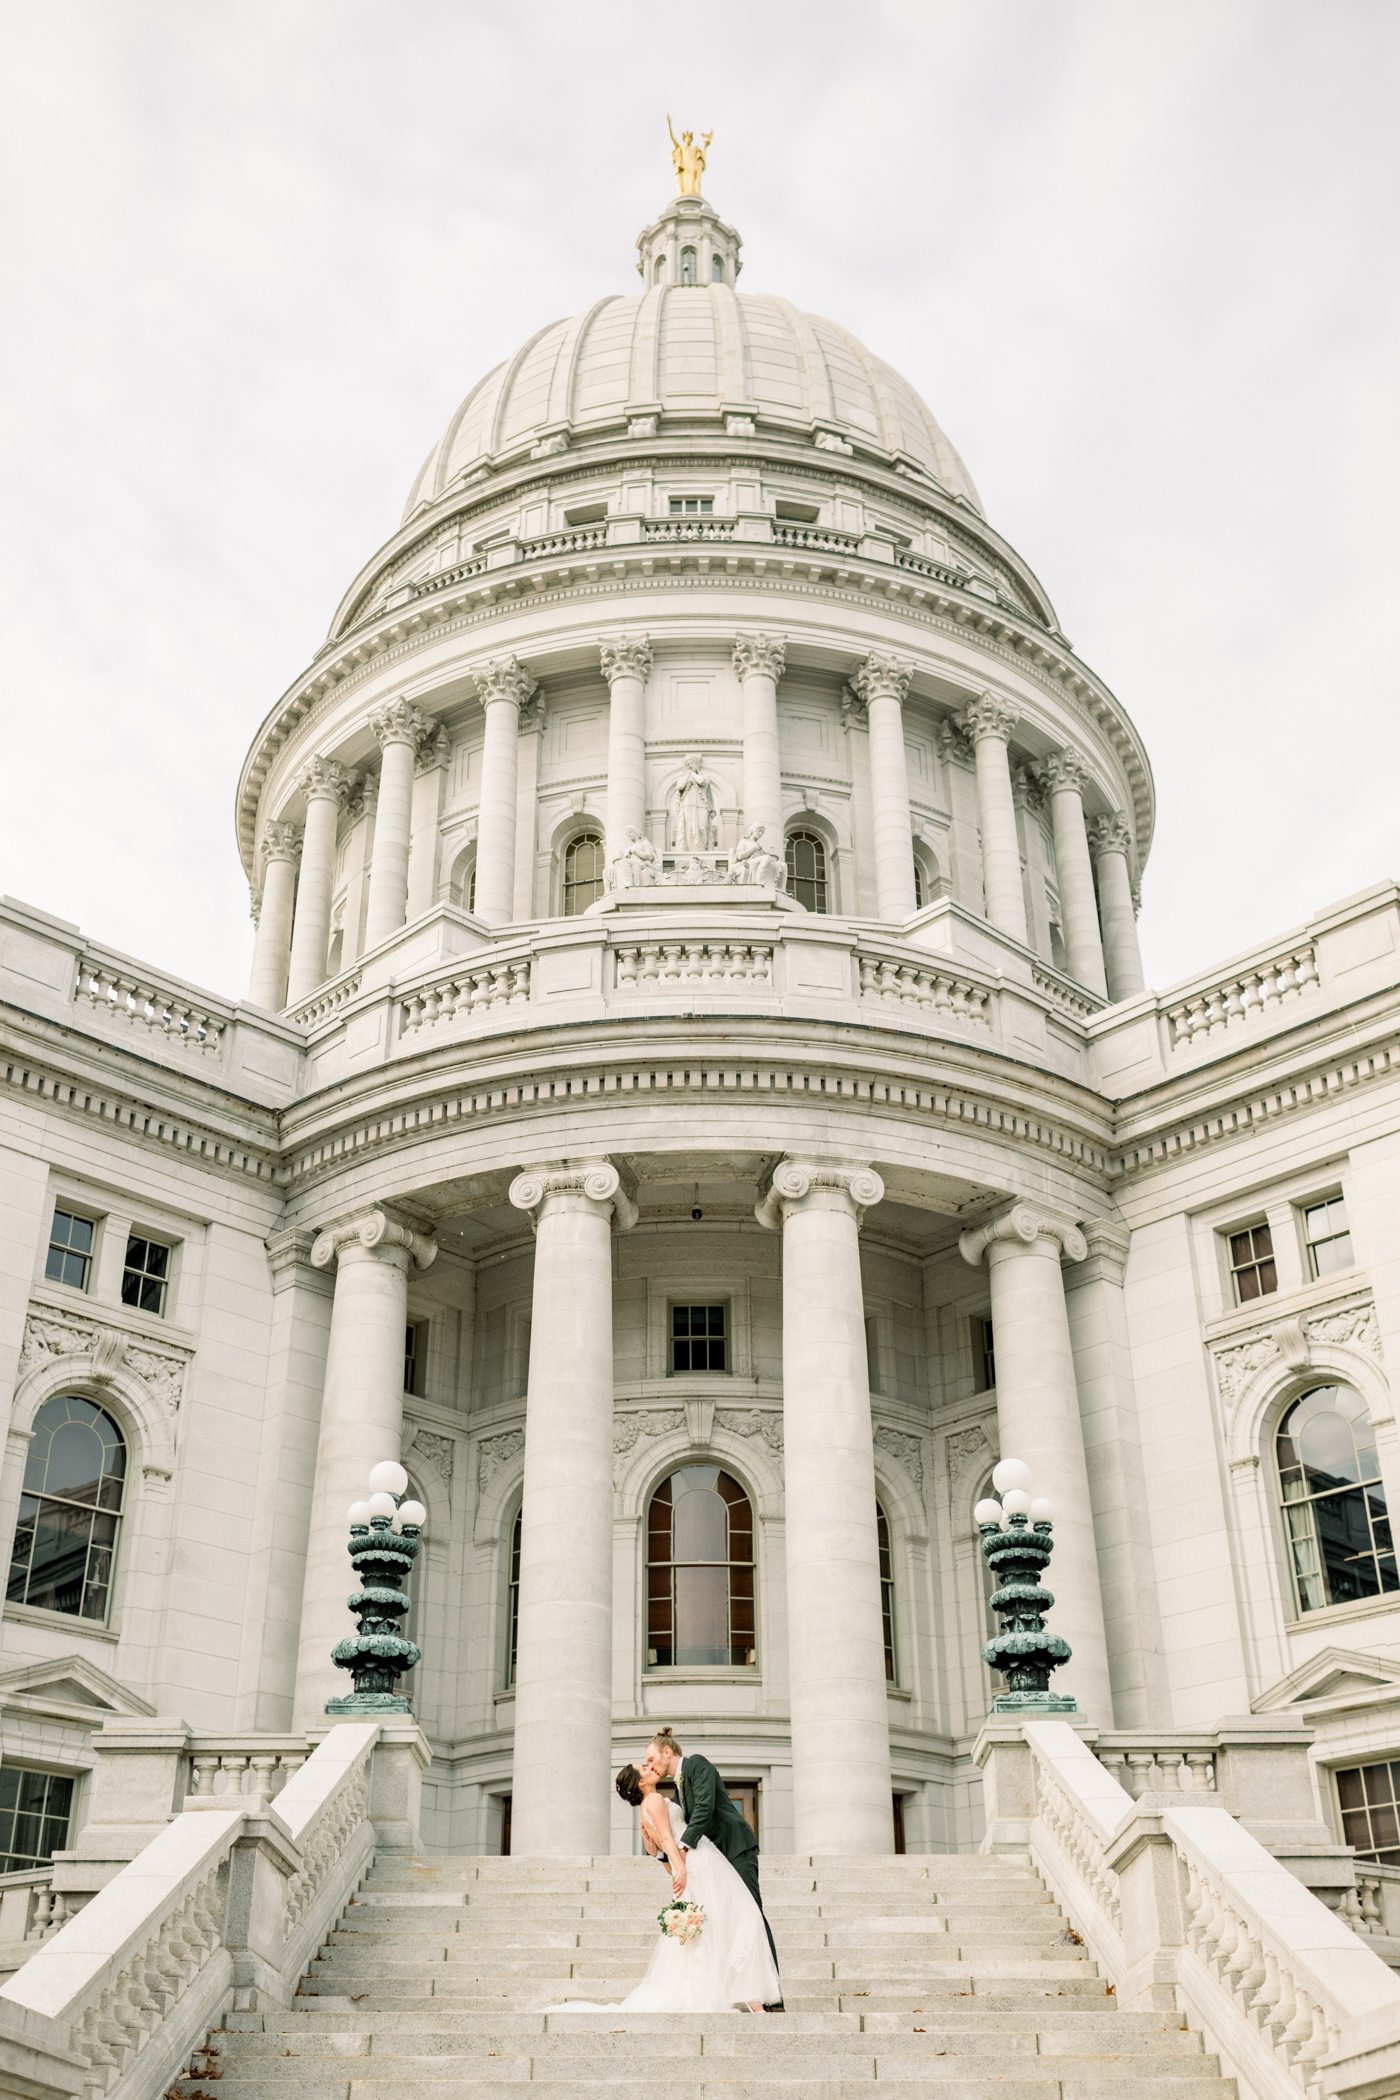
x=1017, y=1545
x=385, y=1533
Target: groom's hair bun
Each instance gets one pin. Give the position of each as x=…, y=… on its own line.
x=629, y=1785
x=666, y=1738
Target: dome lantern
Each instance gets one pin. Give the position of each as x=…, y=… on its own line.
x=689, y=244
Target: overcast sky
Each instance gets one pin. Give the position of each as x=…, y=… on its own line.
x=1138, y=255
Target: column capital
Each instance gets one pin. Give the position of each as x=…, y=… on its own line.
x=1022, y=1224
x=988, y=716
x=1062, y=770
x=626, y=656
x=594, y=1180
x=400, y=722
x=280, y=841
x=434, y=749
x=1109, y=833
x=324, y=779
x=793, y=1181
x=1106, y=1256
x=373, y=1229
x=882, y=677
x=504, y=678
x=764, y=655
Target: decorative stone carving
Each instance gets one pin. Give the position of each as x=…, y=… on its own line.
x=372, y=1229
x=1026, y=1223
x=362, y=799
x=694, y=810
x=756, y=862
x=434, y=749
x=1026, y=790
x=324, y=777
x=988, y=716
x=854, y=712
x=628, y=1429
x=765, y=654
x=597, y=1180
x=906, y=1451
x=50, y=1336
x=495, y=1452
x=398, y=723
x=280, y=841
x=765, y=1423
x=882, y=677
x=1293, y=1342
x=1062, y=770
x=534, y=713
x=1354, y=1325
x=627, y=657
x=1235, y=1367
x=436, y=1451
x=953, y=742
x=504, y=679
x=793, y=1180
x=1109, y=833
x=637, y=866
x=967, y=1447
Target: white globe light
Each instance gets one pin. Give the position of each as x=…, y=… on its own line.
x=1016, y=1502
x=1011, y=1473
x=388, y=1478
x=396, y=1522
x=1042, y=1510
x=987, y=1512
x=381, y=1505
x=413, y=1513
x=359, y=1513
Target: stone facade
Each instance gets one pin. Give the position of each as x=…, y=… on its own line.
x=483, y=1096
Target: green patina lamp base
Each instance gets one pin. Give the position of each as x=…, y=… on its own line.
x=1033, y=1703
x=369, y=1703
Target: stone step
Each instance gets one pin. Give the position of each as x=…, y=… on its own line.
x=953, y=2017
x=722, y=2078
x=568, y=1964
x=587, y=2035
x=748, y=2054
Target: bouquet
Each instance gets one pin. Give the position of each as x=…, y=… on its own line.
x=681, y=1920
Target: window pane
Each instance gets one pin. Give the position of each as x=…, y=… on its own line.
x=702, y=1527
x=702, y=1615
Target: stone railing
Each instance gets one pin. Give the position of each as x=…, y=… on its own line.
x=936, y=571
x=1145, y=1764
x=580, y=539
x=1245, y=996
x=31, y=1910
x=461, y=572
x=1375, y=1908
x=465, y=993
x=1184, y=1910
x=151, y=1002
x=219, y=1909
x=327, y=1001
x=688, y=529
x=241, y=1772
x=938, y=992
x=1063, y=992
x=673, y=965
x=818, y=539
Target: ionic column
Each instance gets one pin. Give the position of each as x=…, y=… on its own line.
x=836, y=1644
x=1063, y=775
x=361, y=1419
x=1109, y=841
x=1038, y=1421
x=397, y=729
x=759, y=660
x=882, y=683
x=989, y=723
x=502, y=687
x=324, y=784
x=267, y=982
x=626, y=665
x=563, y=1693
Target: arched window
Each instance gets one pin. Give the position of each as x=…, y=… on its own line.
x=700, y=1588
x=70, y=1510
x=717, y=268
x=687, y=266
x=882, y=1533
x=658, y=270
x=806, y=870
x=462, y=886
x=583, y=873
x=1333, y=1502
x=513, y=1599
x=920, y=886
x=469, y=888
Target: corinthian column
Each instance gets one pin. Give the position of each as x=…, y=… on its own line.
x=397, y=728
x=989, y=723
x=626, y=666
x=361, y=1418
x=1110, y=840
x=836, y=1641
x=503, y=687
x=760, y=660
x=1038, y=1421
x=267, y=985
x=882, y=683
x=563, y=1670
x=324, y=784
x=1063, y=776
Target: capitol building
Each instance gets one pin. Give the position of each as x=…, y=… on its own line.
x=698, y=1103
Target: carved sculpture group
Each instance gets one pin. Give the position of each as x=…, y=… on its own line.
x=693, y=857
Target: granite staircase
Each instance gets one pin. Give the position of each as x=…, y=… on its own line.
x=950, y=1974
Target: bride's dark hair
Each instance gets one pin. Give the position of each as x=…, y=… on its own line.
x=629, y=1785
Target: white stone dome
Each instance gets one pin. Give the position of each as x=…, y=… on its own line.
x=690, y=356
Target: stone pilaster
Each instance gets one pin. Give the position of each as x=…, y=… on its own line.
x=988, y=722
x=882, y=684
x=626, y=664
x=503, y=687
x=279, y=851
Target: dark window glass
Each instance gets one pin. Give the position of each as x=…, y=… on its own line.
x=717, y=268
x=1252, y=1271
x=920, y=900
x=69, y=1258
x=145, y=1274
x=1333, y=1503
x=69, y=1510
x=583, y=873
x=415, y=1354
x=699, y=1341
x=691, y=506
x=806, y=870
x=882, y=1532
x=984, y=1362
x=35, y=1809
x=1328, y=1236
x=687, y=266
x=700, y=1574
x=1369, y=1798
x=513, y=1599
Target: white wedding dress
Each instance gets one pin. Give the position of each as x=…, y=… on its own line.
x=727, y=1967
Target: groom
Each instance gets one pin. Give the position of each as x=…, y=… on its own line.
x=710, y=1813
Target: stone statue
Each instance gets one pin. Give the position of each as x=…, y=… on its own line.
x=694, y=810
x=755, y=862
x=688, y=160
x=635, y=867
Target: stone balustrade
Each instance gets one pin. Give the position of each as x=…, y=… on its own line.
x=327, y=1001
x=672, y=965
x=240, y=1771
x=146, y=1001
x=1375, y=1908
x=31, y=1910
x=465, y=994
x=688, y=529
x=1185, y=1764
x=816, y=539
x=581, y=540
x=1244, y=997
x=944, y=993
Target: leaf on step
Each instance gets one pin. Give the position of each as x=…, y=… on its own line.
x=1109, y=1990
x=1071, y=1937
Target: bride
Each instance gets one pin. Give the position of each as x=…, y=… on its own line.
x=729, y=1965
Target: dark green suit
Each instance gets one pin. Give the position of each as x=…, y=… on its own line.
x=709, y=1813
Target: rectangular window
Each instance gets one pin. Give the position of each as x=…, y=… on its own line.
x=1327, y=1235
x=415, y=1356
x=1252, y=1271
x=692, y=506
x=984, y=1363
x=699, y=1341
x=1369, y=1799
x=145, y=1274
x=70, y=1249
x=35, y=1809
x=872, y=1353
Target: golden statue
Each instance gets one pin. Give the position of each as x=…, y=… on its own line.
x=688, y=159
